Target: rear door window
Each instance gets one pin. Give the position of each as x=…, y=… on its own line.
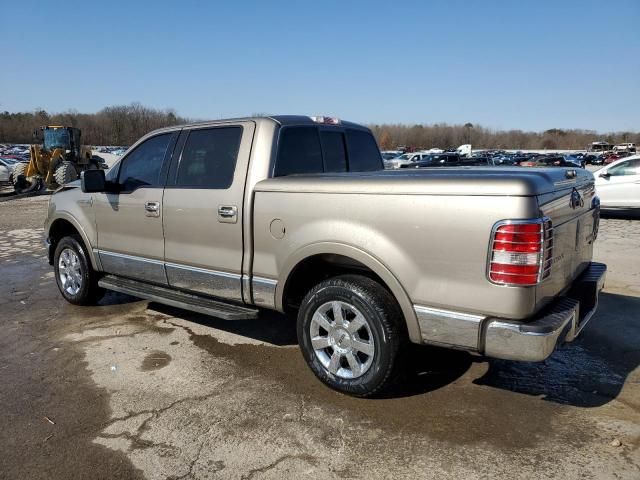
x=364, y=155
x=209, y=158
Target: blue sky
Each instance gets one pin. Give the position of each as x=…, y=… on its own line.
x=531, y=65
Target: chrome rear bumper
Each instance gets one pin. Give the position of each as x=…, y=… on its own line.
x=531, y=340
x=560, y=322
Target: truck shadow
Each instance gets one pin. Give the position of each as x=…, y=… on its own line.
x=425, y=368
x=588, y=372
x=270, y=327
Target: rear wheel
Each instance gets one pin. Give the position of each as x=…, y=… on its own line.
x=65, y=172
x=76, y=279
x=350, y=330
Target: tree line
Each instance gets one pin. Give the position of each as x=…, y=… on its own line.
x=116, y=125
x=124, y=124
x=442, y=135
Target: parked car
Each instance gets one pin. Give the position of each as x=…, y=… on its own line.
x=404, y=160
x=593, y=159
x=577, y=161
x=547, y=161
x=618, y=184
x=296, y=214
x=435, y=160
x=389, y=155
x=7, y=166
x=609, y=158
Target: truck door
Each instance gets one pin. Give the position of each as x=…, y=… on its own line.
x=203, y=210
x=129, y=221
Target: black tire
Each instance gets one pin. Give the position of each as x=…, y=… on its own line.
x=385, y=322
x=22, y=183
x=88, y=293
x=65, y=172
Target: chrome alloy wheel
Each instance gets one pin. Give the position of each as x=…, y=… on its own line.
x=70, y=271
x=342, y=339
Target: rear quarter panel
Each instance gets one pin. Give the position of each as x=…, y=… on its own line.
x=434, y=245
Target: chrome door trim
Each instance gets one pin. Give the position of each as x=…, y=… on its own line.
x=203, y=270
x=210, y=282
x=449, y=328
x=264, y=292
x=130, y=257
x=147, y=269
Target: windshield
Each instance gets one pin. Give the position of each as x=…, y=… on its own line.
x=58, y=138
x=406, y=156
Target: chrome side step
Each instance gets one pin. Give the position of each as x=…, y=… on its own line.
x=179, y=299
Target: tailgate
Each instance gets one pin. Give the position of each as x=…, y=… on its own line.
x=575, y=216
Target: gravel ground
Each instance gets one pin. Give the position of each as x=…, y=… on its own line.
x=130, y=389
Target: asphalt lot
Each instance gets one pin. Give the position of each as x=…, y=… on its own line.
x=130, y=389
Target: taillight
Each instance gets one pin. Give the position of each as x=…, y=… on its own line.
x=521, y=252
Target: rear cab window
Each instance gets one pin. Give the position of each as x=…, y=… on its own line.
x=320, y=149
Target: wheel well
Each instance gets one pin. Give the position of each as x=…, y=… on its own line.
x=61, y=228
x=317, y=268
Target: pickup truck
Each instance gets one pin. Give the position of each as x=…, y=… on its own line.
x=296, y=214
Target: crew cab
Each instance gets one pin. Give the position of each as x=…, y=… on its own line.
x=296, y=214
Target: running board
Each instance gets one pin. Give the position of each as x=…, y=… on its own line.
x=176, y=298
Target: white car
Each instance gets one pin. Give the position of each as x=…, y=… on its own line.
x=6, y=169
x=618, y=184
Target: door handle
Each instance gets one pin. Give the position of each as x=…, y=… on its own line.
x=152, y=209
x=227, y=214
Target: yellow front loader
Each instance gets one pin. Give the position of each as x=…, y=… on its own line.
x=57, y=158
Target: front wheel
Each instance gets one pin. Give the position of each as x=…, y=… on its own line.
x=350, y=330
x=76, y=279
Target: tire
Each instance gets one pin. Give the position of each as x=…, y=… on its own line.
x=22, y=183
x=368, y=360
x=76, y=279
x=65, y=173
x=18, y=170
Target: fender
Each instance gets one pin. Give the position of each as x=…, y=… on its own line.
x=366, y=259
x=62, y=215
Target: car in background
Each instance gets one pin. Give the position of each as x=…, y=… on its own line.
x=7, y=166
x=578, y=161
x=405, y=160
x=629, y=148
x=593, y=159
x=390, y=154
x=618, y=184
x=609, y=158
x=547, y=161
x=435, y=160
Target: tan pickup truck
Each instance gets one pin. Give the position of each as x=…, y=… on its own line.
x=296, y=214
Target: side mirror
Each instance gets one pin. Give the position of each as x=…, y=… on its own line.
x=92, y=181
x=605, y=174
